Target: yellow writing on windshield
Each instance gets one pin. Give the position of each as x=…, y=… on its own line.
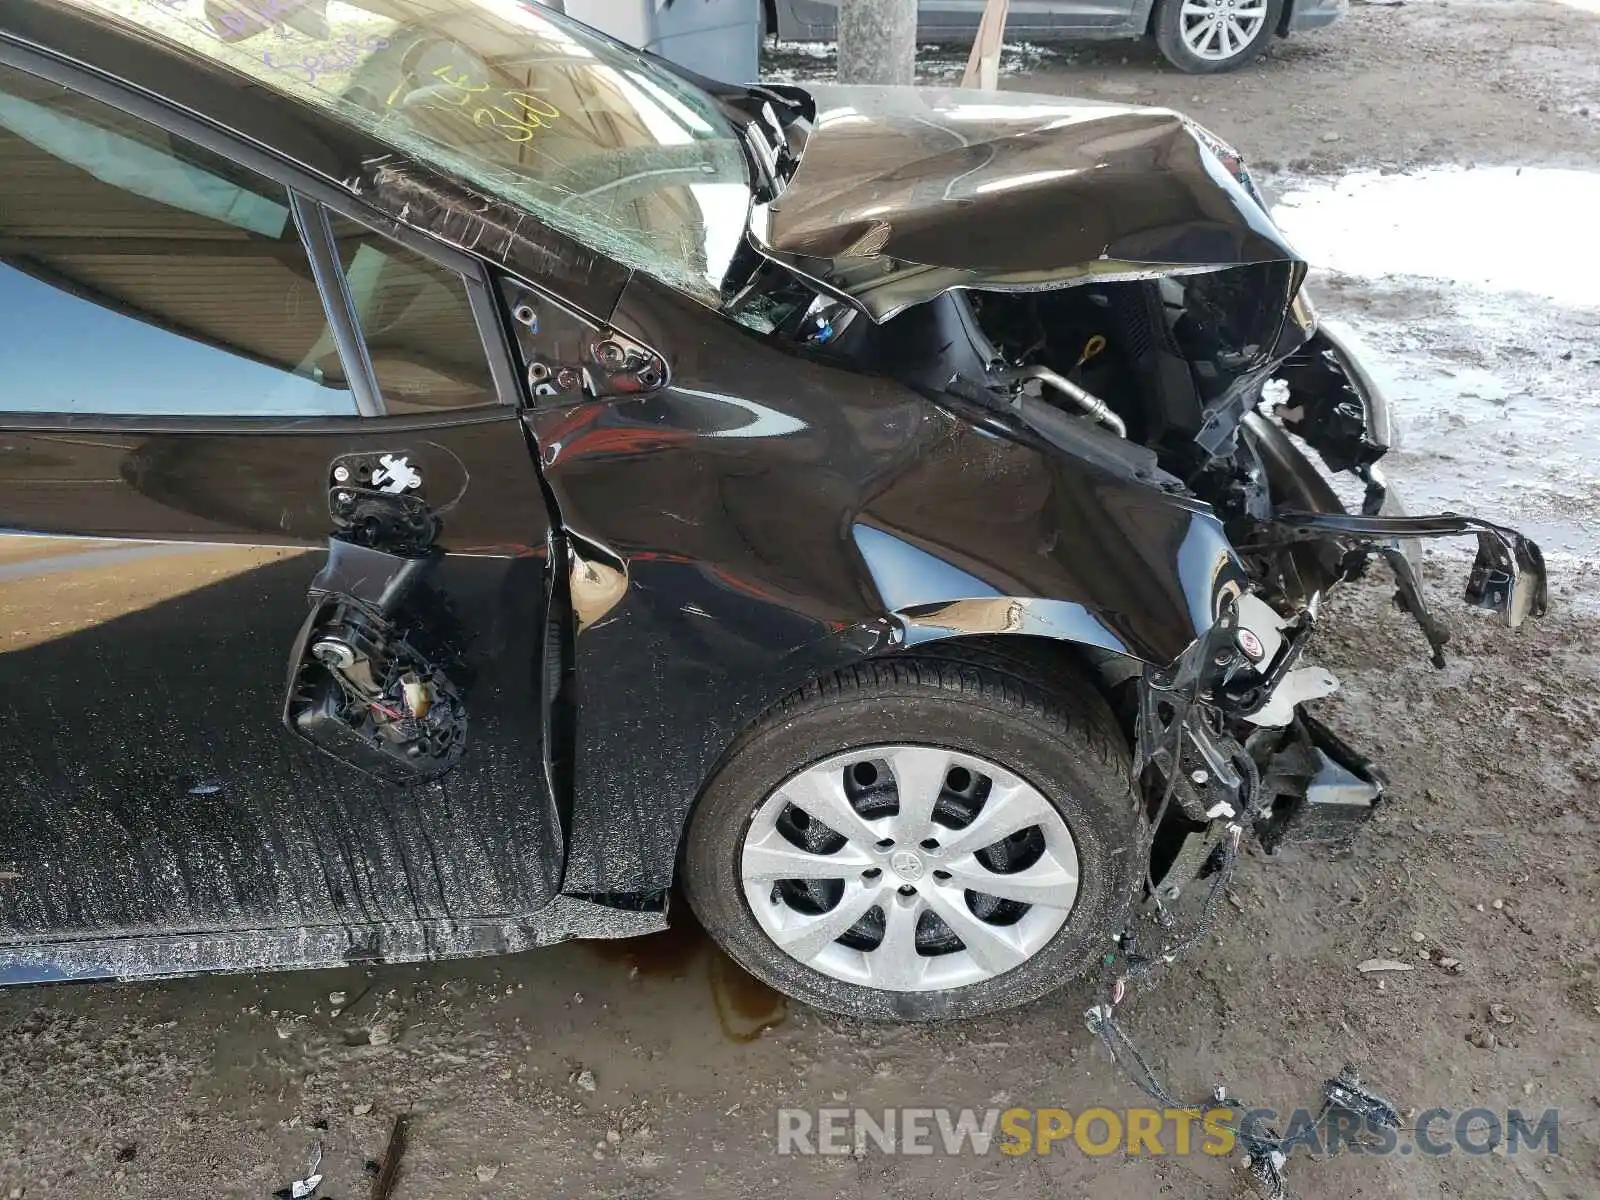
x=514, y=115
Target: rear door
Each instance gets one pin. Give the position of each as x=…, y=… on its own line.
x=218, y=753
x=959, y=19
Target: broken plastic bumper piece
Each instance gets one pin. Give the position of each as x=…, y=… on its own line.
x=1318, y=791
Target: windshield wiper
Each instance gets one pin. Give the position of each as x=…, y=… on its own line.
x=773, y=144
x=763, y=156
x=787, y=138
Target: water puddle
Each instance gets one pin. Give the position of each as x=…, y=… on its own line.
x=1478, y=293
x=1499, y=229
x=746, y=1008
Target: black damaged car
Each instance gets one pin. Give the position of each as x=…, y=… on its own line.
x=463, y=478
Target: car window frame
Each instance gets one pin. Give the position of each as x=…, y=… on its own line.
x=311, y=199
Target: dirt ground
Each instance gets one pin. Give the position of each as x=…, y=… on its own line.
x=655, y=1068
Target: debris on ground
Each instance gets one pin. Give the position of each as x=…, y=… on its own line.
x=1382, y=964
x=362, y=1109
x=486, y=1173
x=584, y=1078
x=385, y=1029
x=1444, y=961
x=307, y=1186
x=388, y=1172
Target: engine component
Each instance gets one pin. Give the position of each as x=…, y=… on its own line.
x=1092, y=406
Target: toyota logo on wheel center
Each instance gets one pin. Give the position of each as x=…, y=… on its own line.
x=906, y=865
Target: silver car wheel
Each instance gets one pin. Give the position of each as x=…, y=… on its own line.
x=1217, y=30
x=908, y=868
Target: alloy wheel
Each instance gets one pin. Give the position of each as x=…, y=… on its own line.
x=1217, y=30
x=909, y=868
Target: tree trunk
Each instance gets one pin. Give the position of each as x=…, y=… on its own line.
x=877, y=41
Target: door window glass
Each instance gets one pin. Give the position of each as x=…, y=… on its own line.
x=140, y=274
x=418, y=324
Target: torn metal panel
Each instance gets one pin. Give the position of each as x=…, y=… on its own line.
x=1508, y=576
x=1318, y=790
x=1334, y=405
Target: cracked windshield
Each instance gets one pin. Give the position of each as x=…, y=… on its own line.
x=590, y=136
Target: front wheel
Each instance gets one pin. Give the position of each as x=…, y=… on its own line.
x=919, y=838
x=1207, y=36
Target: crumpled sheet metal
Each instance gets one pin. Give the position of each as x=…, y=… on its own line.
x=419, y=197
x=902, y=194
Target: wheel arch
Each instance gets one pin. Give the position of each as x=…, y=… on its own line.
x=1144, y=15
x=1047, y=659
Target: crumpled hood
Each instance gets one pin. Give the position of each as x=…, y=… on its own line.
x=904, y=193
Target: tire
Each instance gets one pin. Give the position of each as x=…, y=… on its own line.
x=1170, y=35
x=1057, y=738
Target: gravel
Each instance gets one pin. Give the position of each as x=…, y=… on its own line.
x=1490, y=847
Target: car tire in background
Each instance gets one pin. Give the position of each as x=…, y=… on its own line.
x=938, y=835
x=1204, y=37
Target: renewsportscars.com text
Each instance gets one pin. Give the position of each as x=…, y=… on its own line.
x=1155, y=1131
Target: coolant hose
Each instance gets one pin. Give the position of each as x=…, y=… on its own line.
x=1092, y=406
